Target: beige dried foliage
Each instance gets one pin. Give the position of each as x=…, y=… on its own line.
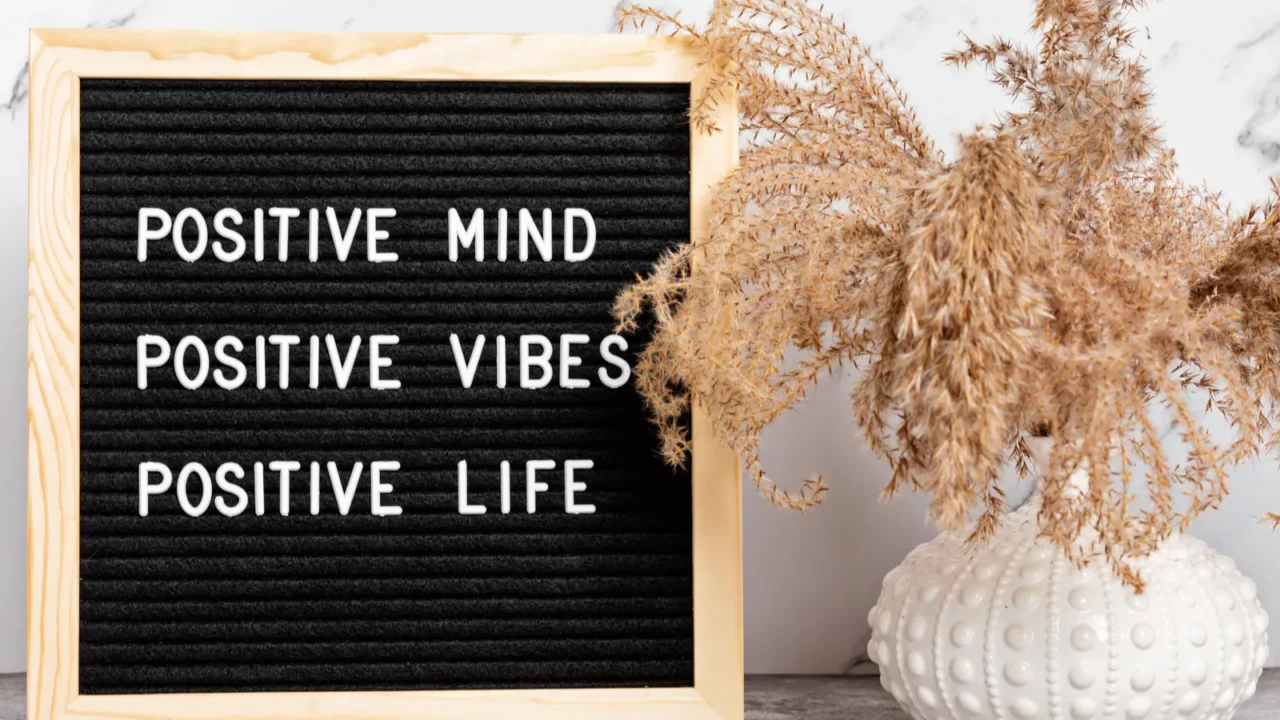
x=1054, y=278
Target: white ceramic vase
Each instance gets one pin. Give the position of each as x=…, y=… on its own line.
x=1012, y=630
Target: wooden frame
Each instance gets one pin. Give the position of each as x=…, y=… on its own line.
x=59, y=58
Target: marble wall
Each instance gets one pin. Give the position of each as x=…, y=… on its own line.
x=810, y=580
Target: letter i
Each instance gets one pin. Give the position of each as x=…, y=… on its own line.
x=502, y=361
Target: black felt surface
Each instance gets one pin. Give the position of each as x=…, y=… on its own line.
x=430, y=599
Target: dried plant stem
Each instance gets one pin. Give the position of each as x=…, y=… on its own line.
x=1054, y=277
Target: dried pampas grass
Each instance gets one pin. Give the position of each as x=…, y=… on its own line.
x=1054, y=278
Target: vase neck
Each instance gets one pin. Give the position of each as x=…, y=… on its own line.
x=1041, y=450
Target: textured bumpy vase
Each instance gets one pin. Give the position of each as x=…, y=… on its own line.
x=1013, y=630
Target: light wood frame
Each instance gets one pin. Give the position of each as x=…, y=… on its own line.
x=59, y=58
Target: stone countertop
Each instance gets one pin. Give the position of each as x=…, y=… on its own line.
x=783, y=697
x=793, y=697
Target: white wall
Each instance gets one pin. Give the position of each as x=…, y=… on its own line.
x=809, y=580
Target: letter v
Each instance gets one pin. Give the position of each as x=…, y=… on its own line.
x=345, y=496
x=467, y=369
x=342, y=240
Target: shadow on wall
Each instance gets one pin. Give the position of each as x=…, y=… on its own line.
x=810, y=580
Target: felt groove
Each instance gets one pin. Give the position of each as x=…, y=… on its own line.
x=410, y=203
x=421, y=458
x=418, y=544
x=169, y=189
x=450, y=651
x=422, y=674
x=354, y=566
x=300, y=122
x=419, y=332
x=284, y=165
x=596, y=290
x=429, y=599
x=273, y=398
x=292, y=439
x=643, y=587
x=431, y=143
x=368, y=676
x=442, y=312
x=439, y=608
x=311, y=629
x=377, y=416
x=387, y=97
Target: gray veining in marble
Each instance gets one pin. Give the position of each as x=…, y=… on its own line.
x=13, y=698
x=790, y=697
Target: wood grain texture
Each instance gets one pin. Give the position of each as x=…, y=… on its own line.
x=53, y=385
x=795, y=698
x=58, y=59
x=717, y=471
x=677, y=703
x=372, y=56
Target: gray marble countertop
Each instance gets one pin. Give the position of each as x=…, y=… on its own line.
x=784, y=697
x=792, y=697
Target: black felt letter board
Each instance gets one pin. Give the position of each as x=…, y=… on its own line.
x=430, y=599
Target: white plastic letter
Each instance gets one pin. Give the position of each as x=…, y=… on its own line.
x=505, y=472
x=470, y=236
x=527, y=360
x=607, y=355
x=146, y=489
x=571, y=486
x=283, y=342
x=145, y=362
x=180, y=364
x=258, y=235
x=315, y=362
x=533, y=486
x=373, y=235
x=464, y=508
x=220, y=352
x=529, y=231
x=260, y=360
x=347, y=494
x=226, y=486
x=342, y=239
x=378, y=487
x=259, y=492
x=568, y=360
x=342, y=367
x=206, y=489
x=145, y=233
x=202, y=234
x=315, y=488
x=283, y=215
x=571, y=255
x=467, y=368
x=284, y=467
x=376, y=362
x=313, y=235
x=220, y=227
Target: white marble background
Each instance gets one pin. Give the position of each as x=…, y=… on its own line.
x=811, y=580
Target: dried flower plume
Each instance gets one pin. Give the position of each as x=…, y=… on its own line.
x=1054, y=278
